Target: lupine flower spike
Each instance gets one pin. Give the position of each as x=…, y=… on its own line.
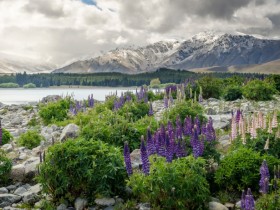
x=144, y=157
x=127, y=159
x=264, y=172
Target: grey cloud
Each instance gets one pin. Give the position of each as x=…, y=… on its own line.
x=44, y=7
x=275, y=19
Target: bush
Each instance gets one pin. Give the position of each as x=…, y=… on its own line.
x=5, y=167
x=29, y=85
x=30, y=139
x=240, y=169
x=259, y=90
x=6, y=136
x=211, y=87
x=154, y=83
x=183, y=109
x=55, y=111
x=232, y=93
x=177, y=185
x=134, y=110
x=268, y=202
x=9, y=85
x=82, y=168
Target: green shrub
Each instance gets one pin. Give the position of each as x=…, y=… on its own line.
x=259, y=90
x=134, y=110
x=9, y=85
x=240, y=169
x=211, y=87
x=5, y=167
x=33, y=122
x=155, y=96
x=177, y=185
x=29, y=85
x=30, y=139
x=232, y=93
x=268, y=202
x=55, y=111
x=183, y=109
x=6, y=136
x=82, y=168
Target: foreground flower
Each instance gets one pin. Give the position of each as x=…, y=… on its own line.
x=249, y=200
x=144, y=158
x=127, y=159
x=264, y=172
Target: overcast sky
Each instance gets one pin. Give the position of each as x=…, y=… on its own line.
x=59, y=31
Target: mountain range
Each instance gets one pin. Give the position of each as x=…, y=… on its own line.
x=203, y=52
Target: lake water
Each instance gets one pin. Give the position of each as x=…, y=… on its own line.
x=24, y=96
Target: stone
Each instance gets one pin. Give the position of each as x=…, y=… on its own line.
x=31, y=168
x=109, y=208
x=214, y=199
x=105, y=201
x=7, y=148
x=216, y=206
x=211, y=111
x=135, y=157
x=22, y=156
x=17, y=172
x=61, y=207
x=8, y=199
x=50, y=98
x=143, y=206
x=238, y=204
x=11, y=187
x=80, y=203
x=20, y=191
x=70, y=131
x=4, y=190
x=229, y=205
x=31, y=196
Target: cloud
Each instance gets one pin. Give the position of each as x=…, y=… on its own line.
x=63, y=30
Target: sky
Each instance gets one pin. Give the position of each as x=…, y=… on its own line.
x=62, y=31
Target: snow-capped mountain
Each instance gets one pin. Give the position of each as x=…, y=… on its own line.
x=13, y=64
x=202, y=50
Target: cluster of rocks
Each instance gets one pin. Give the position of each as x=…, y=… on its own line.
x=13, y=196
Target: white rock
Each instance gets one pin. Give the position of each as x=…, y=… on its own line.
x=70, y=131
x=18, y=172
x=7, y=147
x=216, y=206
x=80, y=203
x=4, y=190
x=105, y=201
x=20, y=191
x=31, y=196
x=8, y=199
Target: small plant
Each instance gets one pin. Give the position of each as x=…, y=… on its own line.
x=177, y=185
x=6, y=136
x=30, y=139
x=82, y=168
x=240, y=169
x=268, y=202
x=33, y=122
x=5, y=167
x=29, y=85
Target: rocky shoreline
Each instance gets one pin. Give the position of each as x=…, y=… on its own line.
x=24, y=190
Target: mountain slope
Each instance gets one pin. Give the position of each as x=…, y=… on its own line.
x=9, y=65
x=204, y=50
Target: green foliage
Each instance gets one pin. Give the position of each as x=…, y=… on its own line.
x=155, y=96
x=134, y=110
x=155, y=83
x=211, y=87
x=55, y=111
x=5, y=167
x=30, y=139
x=6, y=136
x=232, y=93
x=33, y=122
x=177, y=185
x=258, y=143
x=82, y=168
x=29, y=85
x=268, y=202
x=240, y=169
x=9, y=85
x=259, y=90
x=183, y=109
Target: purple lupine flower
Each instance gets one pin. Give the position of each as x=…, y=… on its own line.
x=179, y=130
x=197, y=145
x=238, y=115
x=187, y=130
x=150, y=143
x=156, y=140
x=243, y=197
x=170, y=129
x=165, y=102
x=180, y=149
x=161, y=145
x=169, y=149
x=249, y=200
x=144, y=158
x=264, y=172
x=197, y=123
x=127, y=160
x=171, y=100
x=211, y=134
x=151, y=112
